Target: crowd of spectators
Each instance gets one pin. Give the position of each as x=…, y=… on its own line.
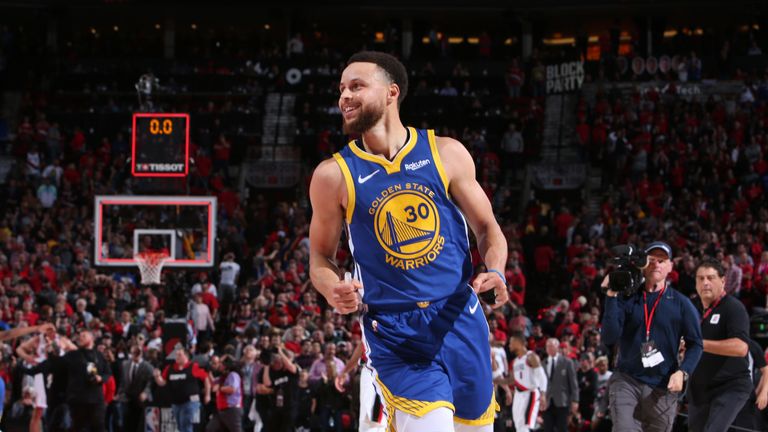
x=691, y=172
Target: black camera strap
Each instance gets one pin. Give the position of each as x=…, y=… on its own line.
x=649, y=319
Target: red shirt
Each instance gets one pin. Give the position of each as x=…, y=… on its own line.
x=31, y=318
x=563, y=221
x=542, y=257
x=109, y=388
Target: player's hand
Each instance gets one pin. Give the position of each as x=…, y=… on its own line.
x=676, y=382
x=43, y=328
x=543, y=405
x=491, y=281
x=344, y=297
x=339, y=382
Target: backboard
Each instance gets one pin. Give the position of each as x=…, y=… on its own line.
x=184, y=226
x=160, y=145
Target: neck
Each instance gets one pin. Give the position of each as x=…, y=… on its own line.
x=655, y=286
x=521, y=352
x=386, y=138
x=707, y=302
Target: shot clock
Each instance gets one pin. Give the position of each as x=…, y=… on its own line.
x=160, y=145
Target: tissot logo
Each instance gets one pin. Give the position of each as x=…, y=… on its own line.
x=413, y=166
x=161, y=167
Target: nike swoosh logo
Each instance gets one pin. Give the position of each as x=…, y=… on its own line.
x=362, y=180
x=472, y=309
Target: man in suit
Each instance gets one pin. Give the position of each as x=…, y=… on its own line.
x=133, y=390
x=562, y=389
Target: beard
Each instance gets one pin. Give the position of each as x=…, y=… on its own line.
x=367, y=119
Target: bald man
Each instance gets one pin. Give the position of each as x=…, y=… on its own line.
x=87, y=371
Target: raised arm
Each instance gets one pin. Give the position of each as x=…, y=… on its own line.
x=327, y=192
x=66, y=344
x=22, y=331
x=473, y=202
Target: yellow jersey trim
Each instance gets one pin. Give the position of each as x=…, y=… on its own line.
x=438, y=161
x=409, y=406
x=486, y=418
x=350, y=185
x=390, y=166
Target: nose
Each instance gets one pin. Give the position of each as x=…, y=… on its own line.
x=345, y=95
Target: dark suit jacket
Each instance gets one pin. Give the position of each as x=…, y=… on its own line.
x=130, y=390
x=562, y=385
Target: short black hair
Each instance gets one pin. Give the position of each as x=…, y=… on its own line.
x=394, y=69
x=709, y=262
x=517, y=334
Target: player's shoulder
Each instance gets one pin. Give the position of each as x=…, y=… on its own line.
x=327, y=174
x=532, y=359
x=328, y=167
x=454, y=154
x=448, y=144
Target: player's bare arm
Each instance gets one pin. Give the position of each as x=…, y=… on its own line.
x=23, y=331
x=471, y=199
x=26, y=350
x=328, y=195
x=351, y=364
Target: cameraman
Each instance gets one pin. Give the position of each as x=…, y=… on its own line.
x=647, y=325
x=87, y=371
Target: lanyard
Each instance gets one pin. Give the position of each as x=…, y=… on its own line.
x=649, y=319
x=709, y=310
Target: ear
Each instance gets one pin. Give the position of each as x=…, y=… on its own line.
x=393, y=94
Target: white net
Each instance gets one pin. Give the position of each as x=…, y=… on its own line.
x=151, y=266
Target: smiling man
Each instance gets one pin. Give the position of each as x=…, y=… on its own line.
x=721, y=383
x=408, y=199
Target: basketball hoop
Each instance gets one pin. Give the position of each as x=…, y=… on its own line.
x=151, y=266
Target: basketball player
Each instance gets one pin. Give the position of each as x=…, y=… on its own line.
x=371, y=409
x=530, y=383
x=35, y=351
x=408, y=199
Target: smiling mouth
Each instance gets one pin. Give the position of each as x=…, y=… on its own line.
x=349, y=110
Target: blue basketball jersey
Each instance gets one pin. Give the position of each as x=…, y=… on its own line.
x=409, y=240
